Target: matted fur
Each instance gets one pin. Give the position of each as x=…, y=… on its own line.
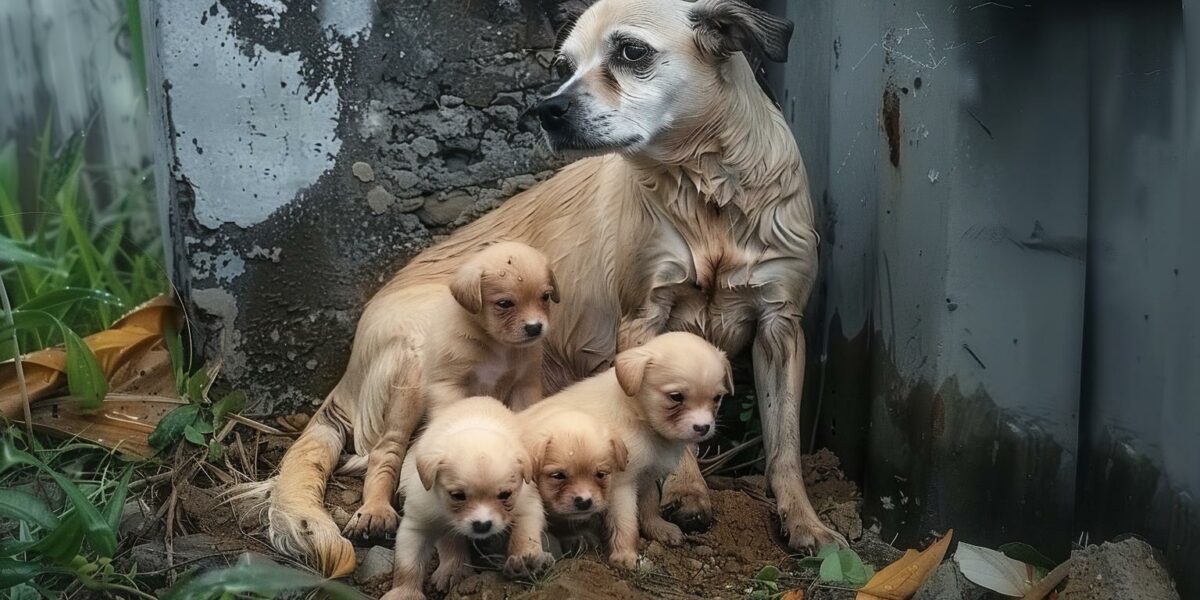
x=704, y=226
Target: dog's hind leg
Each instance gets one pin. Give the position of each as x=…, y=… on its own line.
x=299, y=525
x=405, y=406
x=778, y=356
x=685, y=500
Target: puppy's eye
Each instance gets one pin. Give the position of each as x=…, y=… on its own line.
x=563, y=67
x=458, y=496
x=546, y=297
x=504, y=304
x=634, y=52
x=601, y=475
x=505, y=495
x=559, y=475
x=676, y=396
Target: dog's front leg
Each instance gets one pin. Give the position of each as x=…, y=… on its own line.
x=377, y=517
x=452, y=561
x=526, y=556
x=413, y=547
x=621, y=520
x=685, y=498
x=650, y=519
x=779, y=357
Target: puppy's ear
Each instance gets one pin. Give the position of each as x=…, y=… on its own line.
x=726, y=26
x=526, y=468
x=428, y=465
x=631, y=369
x=553, y=286
x=467, y=288
x=728, y=374
x=620, y=454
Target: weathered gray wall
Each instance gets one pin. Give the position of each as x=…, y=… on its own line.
x=1008, y=282
x=313, y=147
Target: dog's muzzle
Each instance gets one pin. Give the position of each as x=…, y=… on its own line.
x=552, y=112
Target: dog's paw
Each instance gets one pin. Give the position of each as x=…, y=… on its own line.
x=373, y=521
x=528, y=566
x=663, y=531
x=689, y=507
x=447, y=574
x=403, y=594
x=807, y=535
x=623, y=559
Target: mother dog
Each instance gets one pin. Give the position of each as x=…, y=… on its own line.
x=692, y=214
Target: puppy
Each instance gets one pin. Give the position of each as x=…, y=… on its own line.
x=575, y=457
x=465, y=480
x=478, y=336
x=657, y=399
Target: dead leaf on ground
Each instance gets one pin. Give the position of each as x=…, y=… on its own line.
x=901, y=579
x=992, y=570
x=796, y=594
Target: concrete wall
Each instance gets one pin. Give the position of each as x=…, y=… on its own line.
x=313, y=147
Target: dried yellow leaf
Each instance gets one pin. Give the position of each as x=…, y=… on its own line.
x=901, y=579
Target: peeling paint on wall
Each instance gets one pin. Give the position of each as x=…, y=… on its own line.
x=271, y=145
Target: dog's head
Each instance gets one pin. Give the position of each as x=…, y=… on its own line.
x=476, y=477
x=575, y=457
x=680, y=380
x=636, y=69
x=509, y=287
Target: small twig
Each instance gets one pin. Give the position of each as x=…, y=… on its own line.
x=145, y=481
x=8, y=317
x=252, y=424
x=1049, y=582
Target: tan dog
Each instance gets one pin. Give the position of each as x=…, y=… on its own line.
x=698, y=219
x=575, y=458
x=465, y=480
x=416, y=352
x=657, y=399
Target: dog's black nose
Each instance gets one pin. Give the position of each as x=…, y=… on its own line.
x=701, y=429
x=552, y=111
x=481, y=526
x=582, y=503
x=533, y=329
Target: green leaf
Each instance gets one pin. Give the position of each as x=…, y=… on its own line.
x=63, y=543
x=117, y=503
x=85, y=378
x=201, y=425
x=831, y=569
x=828, y=550
x=261, y=578
x=194, y=436
x=15, y=504
x=171, y=427
x=1028, y=555
x=68, y=296
x=23, y=592
x=853, y=569
x=768, y=573
x=215, y=451
x=95, y=527
x=197, y=385
x=175, y=350
x=13, y=572
x=232, y=403
x=12, y=253
x=811, y=562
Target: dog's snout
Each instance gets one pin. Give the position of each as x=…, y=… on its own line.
x=582, y=503
x=481, y=527
x=533, y=329
x=552, y=111
x=701, y=429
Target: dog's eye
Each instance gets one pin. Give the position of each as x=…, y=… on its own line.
x=601, y=475
x=546, y=297
x=559, y=475
x=562, y=67
x=676, y=396
x=458, y=496
x=505, y=303
x=505, y=495
x=633, y=52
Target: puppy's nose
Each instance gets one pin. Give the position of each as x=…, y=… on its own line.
x=582, y=503
x=552, y=111
x=481, y=526
x=533, y=329
x=701, y=429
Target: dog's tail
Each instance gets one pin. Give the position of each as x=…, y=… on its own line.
x=298, y=524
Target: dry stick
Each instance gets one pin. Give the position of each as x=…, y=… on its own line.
x=8, y=314
x=1049, y=582
x=252, y=424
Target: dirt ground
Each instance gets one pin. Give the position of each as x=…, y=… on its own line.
x=1124, y=569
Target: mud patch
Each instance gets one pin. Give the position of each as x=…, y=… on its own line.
x=1125, y=569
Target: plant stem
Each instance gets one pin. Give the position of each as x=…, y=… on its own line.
x=8, y=317
x=102, y=586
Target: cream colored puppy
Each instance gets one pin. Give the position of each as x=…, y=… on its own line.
x=465, y=480
x=481, y=335
x=575, y=457
x=657, y=399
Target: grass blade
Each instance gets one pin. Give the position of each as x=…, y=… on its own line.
x=117, y=503
x=85, y=378
x=15, y=504
x=13, y=254
x=262, y=579
x=14, y=572
x=68, y=296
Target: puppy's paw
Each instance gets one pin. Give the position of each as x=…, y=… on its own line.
x=623, y=559
x=663, y=531
x=447, y=574
x=528, y=566
x=373, y=521
x=806, y=536
x=403, y=594
x=687, y=506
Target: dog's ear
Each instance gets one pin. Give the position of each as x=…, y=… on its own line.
x=726, y=26
x=728, y=375
x=526, y=468
x=631, y=369
x=538, y=455
x=428, y=465
x=554, y=295
x=620, y=454
x=467, y=288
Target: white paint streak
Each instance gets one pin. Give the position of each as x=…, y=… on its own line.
x=349, y=18
x=248, y=139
